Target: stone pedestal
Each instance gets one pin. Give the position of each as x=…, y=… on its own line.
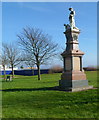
x=73, y=77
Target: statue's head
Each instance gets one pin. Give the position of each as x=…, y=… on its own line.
x=71, y=9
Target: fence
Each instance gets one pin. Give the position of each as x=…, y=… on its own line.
x=27, y=72
x=7, y=72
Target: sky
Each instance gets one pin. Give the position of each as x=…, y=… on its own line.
x=51, y=17
x=49, y=0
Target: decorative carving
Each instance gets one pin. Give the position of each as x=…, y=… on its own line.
x=67, y=26
x=75, y=37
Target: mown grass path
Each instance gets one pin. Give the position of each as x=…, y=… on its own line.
x=26, y=97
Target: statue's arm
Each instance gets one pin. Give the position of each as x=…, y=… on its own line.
x=74, y=12
x=71, y=15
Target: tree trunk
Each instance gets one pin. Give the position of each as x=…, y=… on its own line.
x=12, y=72
x=38, y=67
x=4, y=73
x=32, y=71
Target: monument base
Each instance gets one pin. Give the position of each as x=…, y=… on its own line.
x=74, y=85
x=73, y=75
x=76, y=89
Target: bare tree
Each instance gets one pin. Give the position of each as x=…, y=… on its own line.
x=31, y=65
x=4, y=61
x=59, y=55
x=38, y=45
x=29, y=61
x=13, y=55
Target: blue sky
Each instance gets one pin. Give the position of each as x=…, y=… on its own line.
x=50, y=17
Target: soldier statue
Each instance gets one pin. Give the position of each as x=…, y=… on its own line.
x=71, y=18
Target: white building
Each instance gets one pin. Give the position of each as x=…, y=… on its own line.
x=8, y=68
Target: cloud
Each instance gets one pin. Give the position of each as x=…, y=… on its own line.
x=35, y=6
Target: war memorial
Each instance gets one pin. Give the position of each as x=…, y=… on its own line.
x=73, y=77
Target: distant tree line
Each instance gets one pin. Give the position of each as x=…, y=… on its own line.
x=56, y=69
x=91, y=68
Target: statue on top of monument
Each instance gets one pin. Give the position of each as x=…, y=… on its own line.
x=71, y=18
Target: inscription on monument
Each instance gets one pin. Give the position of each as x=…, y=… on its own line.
x=68, y=63
x=76, y=63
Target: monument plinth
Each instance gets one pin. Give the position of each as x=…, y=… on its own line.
x=73, y=77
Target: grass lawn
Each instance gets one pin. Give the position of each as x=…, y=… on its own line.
x=26, y=97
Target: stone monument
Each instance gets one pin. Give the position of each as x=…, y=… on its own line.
x=73, y=77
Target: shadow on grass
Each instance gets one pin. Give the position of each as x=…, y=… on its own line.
x=31, y=89
x=56, y=88
x=49, y=119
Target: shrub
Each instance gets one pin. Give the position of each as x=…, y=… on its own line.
x=90, y=68
x=56, y=69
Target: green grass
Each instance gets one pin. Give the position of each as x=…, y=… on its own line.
x=33, y=99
